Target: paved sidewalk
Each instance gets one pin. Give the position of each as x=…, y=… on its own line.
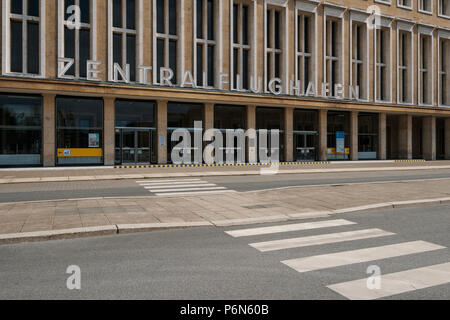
x=14, y=175
x=220, y=209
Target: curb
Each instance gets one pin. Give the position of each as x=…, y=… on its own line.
x=201, y=165
x=147, y=227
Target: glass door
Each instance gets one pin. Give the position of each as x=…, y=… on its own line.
x=133, y=146
x=305, y=146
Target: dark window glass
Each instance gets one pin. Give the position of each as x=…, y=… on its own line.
x=20, y=111
x=173, y=59
x=159, y=57
x=306, y=74
x=334, y=39
x=69, y=48
x=306, y=34
x=85, y=50
x=135, y=114
x=268, y=29
x=211, y=66
x=277, y=65
x=183, y=115
x=199, y=65
x=160, y=16
x=85, y=11
x=117, y=48
x=269, y=118
x=131, y=56
x=131, y=14
x=245, y=78
x=235, y=23
x=79, y=113
x=235, y=66
x=67, y=4
x=210, y=20
x=33, y=8
x=15, y=142
x=229, y=117
x=117, y=13
x=305, y=120
x=173, y=17
x=277, y=30
x=33, y=48
x=245, y=25
x=16, y=46
x=199, y=19
x=16, y=6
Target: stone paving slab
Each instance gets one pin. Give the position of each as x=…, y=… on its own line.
x=218, y=209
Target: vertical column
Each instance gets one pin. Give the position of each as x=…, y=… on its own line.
x=447, y=138
x=161, y=119
x=429, y=138
x=251, y=140
x=102, y=38
x=48, y=133
x=51, y=39
x=108, y=130
x=405, y=136
x=288, y=134
x=323, y=132
x=209, y=116
x=382, y=140
x=354, y=135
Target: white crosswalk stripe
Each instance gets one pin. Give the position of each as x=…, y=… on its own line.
x=289, y=228
x=181, y=187
x=357, y=256
x=320, y=239
x=396, y=283
x=391, y=284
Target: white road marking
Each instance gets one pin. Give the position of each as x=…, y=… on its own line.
x=161, y=180
x=170, y=183
x=193, y=193
x=289, y=228
x=182, y=186
x=189, y=189
x=357, y=256
x=395, y=283
x=319, y=239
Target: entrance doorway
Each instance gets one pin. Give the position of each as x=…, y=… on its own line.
x=305, y=145
x=134, y=146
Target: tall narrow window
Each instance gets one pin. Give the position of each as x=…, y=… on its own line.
x=426, y=6
x=359, y=59
x=241, y=46
x=425, y=70
x=332, y=54
x=444, y=8
x=24, y=47
x=304, y=50
x=205, y=42
x=383, y=64
x=166, y=37
x=404, y=67
x=444, y=72
x=77, y=39
x=274, y=52
x=124, y=36
x=405, y=4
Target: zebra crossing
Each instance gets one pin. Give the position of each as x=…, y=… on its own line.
x=392, y=284
x=181, y=187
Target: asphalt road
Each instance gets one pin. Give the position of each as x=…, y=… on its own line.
x=125, y=188
x=207, y=263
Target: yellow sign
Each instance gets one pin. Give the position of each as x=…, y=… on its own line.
x=79, y=152
x=333, y=151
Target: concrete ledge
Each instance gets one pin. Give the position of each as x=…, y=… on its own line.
x=143, y=227
x=412, y=203
x=310, y=215
x=383, y=205
x=57, y=234
x=234, y=222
